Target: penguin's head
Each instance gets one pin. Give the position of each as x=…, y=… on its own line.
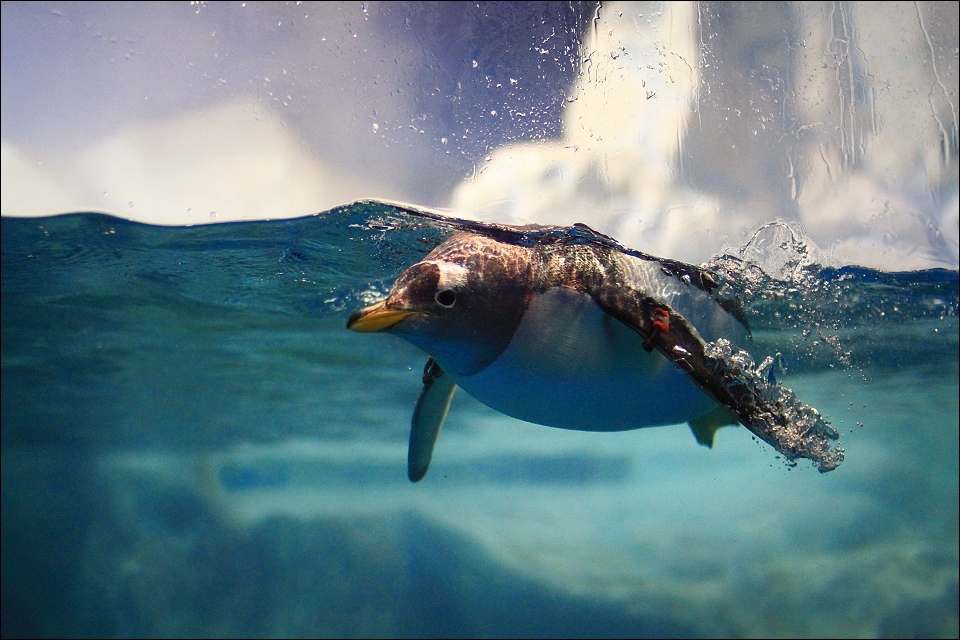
x=461, y=304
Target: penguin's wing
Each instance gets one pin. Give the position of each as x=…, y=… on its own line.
x=763, y=406
x=432, y=407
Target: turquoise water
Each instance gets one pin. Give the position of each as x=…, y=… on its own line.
x=193, y=444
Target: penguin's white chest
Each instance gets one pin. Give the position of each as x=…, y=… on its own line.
x=573, y=366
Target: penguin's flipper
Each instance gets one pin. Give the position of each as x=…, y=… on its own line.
x=772, y=412
x=432, y=407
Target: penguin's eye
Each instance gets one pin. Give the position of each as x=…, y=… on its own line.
x=446, y=297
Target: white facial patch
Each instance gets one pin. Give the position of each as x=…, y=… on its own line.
x=452, y=276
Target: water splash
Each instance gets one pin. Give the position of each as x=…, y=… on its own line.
x=793, y=428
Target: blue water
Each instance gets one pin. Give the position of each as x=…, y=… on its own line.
x=193, y=445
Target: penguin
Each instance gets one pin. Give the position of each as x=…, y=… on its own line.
x=567, y=332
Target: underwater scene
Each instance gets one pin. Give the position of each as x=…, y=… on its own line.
x=724, y=237
x=195, y=445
